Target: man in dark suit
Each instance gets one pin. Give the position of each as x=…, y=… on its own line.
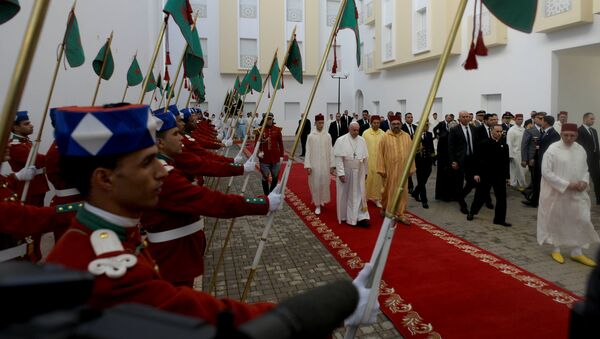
x=385, y=124
x=364, y=123
x=410, y=129
x=588, y=138
x=335, y=128
x=483, y=132
x=492, y=171
x=506, y=118
x=408, y=125
x=423, y=162
x=444, y=181
x=529, y=153
x=304, y=134
x=461, y=153
x=346, y=120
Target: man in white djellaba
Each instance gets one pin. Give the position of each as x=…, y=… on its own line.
x=564, y=207
x=319, y=163
x=514, y=137
x=351, y=157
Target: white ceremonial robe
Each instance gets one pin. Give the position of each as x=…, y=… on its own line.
x=564, y=215
x=319, y=158
x=513, y=140
x=351, y=158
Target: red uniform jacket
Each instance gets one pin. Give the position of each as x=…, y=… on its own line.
x=142, y=282
x=271, y=144
x=20, y=221
x=19, y=152
x=196, y=166
x=180, y=204
x=55, y=177
x=190, y=144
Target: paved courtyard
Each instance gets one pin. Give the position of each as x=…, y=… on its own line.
x=294, y=259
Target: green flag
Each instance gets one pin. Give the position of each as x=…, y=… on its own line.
x=181, y=12
x=350, y=20
x=236, y=86
x=72, y=41
x=193, y=63
x=254, y=79
x=245, y=85
x=168, y=89
x=8, y=9
x=198, y=85
x=151, y=83
x=517, y=14
x=134, y=74
x=294, y=61
x=99, y=60
x=274, y=73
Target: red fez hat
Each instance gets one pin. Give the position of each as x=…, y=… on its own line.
x=375, y=117
x=569, y=127
x=563, y=112
x=518, y=115
x=319, y=117
x=395, y=118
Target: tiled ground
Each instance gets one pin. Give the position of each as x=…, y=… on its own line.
x=294, y=260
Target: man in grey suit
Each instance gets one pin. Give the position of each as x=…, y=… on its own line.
x=529, y=152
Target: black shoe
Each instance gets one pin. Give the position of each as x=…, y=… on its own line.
x=363, y=223
x=469, y=216
x=489, y=205
x=425, y=205
x=416, y=197
x=503, y=223
x=529, y=203
x=464, y=210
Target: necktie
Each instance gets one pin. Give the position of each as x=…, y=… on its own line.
x=338, y=127
x=469, y=149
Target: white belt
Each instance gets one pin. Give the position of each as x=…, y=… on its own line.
x=176, y=233
x=39, y=171
x=13, y=252
x=66, y=192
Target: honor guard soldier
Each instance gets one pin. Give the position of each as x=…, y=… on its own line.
x=117, y=171
x=21, y=221
x=270, y=153
x=20, y=146
x=175, y=227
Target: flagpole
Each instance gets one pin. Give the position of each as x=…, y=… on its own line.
x=187, y=103
x=180, y=89
x=172, y=89
x=125, y=93
x=104, y=62
x=36, y=144
x=270, y=218
x=154, y=91
x=21, y=69
x=162, y=98
x=159, y=40
x=381, y=250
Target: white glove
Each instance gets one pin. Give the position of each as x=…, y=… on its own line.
x=249, y=166
x=355, y=318
x=26, y=173
x=275, y=201
x=228, y=142
x=239, y=159
x=220, y=136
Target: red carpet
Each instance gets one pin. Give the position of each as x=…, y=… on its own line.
x=437, y=284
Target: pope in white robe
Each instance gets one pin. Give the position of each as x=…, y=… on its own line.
x=513, y=140
x=351, y=158
x=319, y=163
x=564, y=208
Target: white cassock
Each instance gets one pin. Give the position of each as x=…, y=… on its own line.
x=513, y=139
x=319, y=158
x=564, y=215
x=351, y=162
